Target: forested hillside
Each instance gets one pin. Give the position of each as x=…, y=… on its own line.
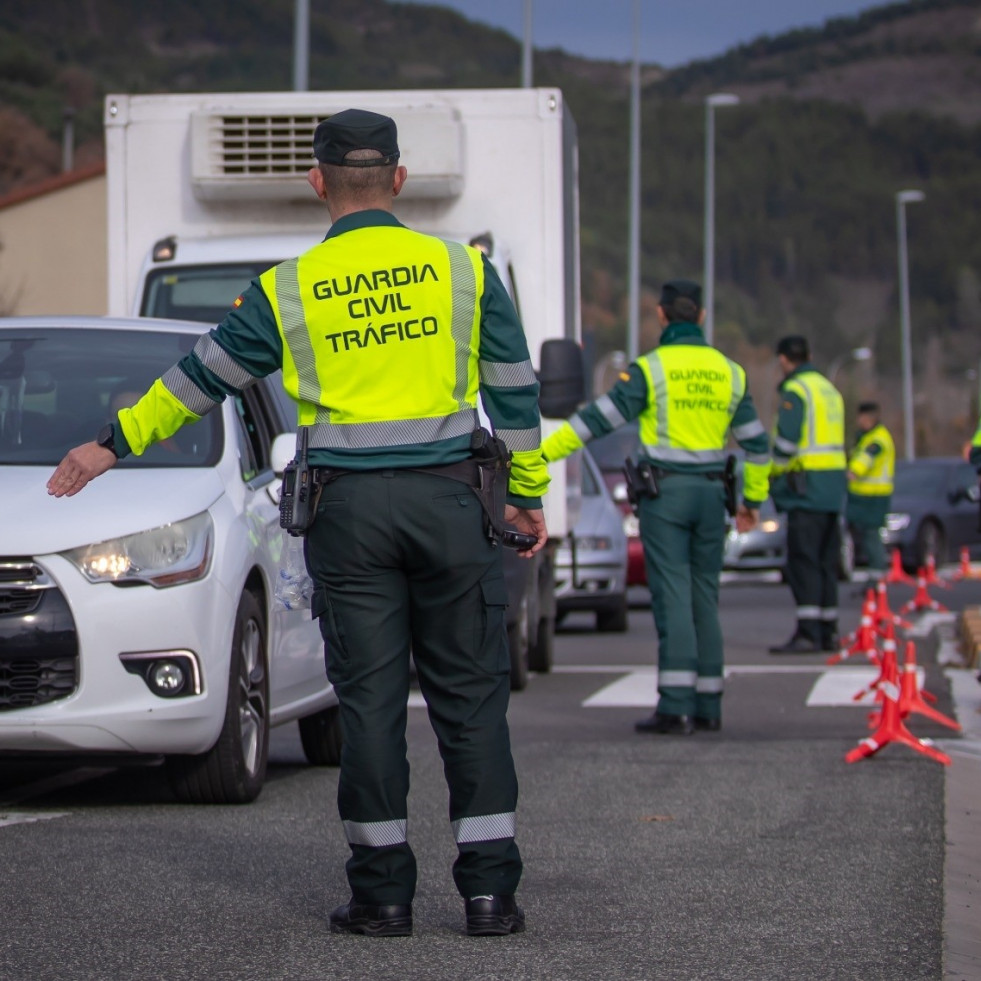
x=832, y=122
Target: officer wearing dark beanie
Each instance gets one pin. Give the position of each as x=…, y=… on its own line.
x=687, y=397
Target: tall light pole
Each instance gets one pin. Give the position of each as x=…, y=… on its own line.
x=526, y=49
x=633, y=249
x=904, y=198
x=301, y=46
x=708, y=286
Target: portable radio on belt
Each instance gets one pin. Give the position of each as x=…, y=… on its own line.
x=298, y=497
x=641, y=481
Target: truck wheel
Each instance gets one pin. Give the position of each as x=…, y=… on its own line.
x=613, y=620
x=518, y=647
x=233, y=770
x=541, y=631
x=320, y=735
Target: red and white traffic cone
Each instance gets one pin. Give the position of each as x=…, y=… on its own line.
x=896, y=572
x=890, y=728
x=888, y=650
x=911, y=694
x=964, y=570
x=922, y=600
x=883, y=614
x=930, y=574
x=862, y=641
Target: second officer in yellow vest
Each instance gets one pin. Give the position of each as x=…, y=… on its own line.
x=809, y=485
x=871, y=469
x=687, y=396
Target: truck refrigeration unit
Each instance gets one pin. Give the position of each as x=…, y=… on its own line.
x=206, y=191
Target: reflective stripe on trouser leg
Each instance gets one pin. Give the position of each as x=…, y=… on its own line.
x=708, y=696
x=486, y=827
x=683, y=532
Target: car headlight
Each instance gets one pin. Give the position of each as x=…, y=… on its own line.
x=770, y=526
x=631, y=526
x=897, y=521
x=176, y=553
x=593, y=543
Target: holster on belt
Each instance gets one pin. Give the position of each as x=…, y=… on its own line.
x=729, y=483
x=486, y=473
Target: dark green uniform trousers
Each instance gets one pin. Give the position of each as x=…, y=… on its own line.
x=683, y=532
x=401, y=563
x=813, y=552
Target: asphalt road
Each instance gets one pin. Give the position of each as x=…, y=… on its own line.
x=755, y=853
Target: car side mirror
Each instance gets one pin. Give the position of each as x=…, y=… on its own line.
x=282, y=452
x=562, y=378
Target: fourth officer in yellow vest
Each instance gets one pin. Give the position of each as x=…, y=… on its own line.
x=687, y=396
x=809, y=485
x=871, y=469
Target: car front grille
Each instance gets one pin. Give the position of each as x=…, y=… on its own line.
x=38, y=641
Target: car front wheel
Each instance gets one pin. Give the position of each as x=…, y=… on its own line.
x=233, y=770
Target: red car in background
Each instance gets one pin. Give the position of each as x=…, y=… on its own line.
x=609, y=452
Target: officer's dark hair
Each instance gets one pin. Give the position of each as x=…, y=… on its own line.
x=359, y=183
x=794, y=348
x=871, y=408
x=681, y=310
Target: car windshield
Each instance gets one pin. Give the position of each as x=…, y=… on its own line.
x=59, y=386
x=921, y=479
x=204, y=293
x=611, y=450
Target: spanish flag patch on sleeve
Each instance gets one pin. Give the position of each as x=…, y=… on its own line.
x=237, y=303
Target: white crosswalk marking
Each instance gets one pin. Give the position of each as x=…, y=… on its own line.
x=838, y=687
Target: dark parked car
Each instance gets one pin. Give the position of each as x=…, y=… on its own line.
x=934, y=511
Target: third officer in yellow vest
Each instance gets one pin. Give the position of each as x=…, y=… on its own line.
x=809, y=485
x=687, y=396
x=871, y=468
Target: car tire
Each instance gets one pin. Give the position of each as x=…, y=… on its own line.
x=930, y=541
x=320, y=735
x=541, y=631
x=518, y=647
x=613, y=619
x=234, y=769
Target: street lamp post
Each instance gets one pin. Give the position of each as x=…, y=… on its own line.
x=633, y=230
x=855, y=354
x=902, y=199
x=708, y=285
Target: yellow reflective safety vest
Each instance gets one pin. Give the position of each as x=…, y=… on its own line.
x=873, y=474
x=692, y=395
x=365, y=330
x=822, y=439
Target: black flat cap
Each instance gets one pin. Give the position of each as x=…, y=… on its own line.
x=670, y=291
x=356, y=129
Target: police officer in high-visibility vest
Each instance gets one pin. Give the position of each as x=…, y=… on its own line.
x=809, y=485
x=688, y=397
x=871, y=470
x=386, y=339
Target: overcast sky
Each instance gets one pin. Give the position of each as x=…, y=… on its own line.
x=672, y=32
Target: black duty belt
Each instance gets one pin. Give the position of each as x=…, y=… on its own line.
x=465, y=471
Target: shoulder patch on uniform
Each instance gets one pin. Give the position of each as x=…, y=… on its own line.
x=624, y=376
x=237, y=303
x=788, y=405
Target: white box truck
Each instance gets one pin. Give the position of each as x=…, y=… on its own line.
x=205, y=191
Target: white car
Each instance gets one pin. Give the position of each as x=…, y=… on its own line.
x=139, y=617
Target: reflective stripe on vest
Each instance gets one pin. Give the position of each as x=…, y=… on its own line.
x=822, y=438
x=354, y=326
x=877, y=479
x=692, y=394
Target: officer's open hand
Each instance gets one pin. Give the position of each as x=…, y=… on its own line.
x=82, y=464
x=529, y=522
x=746, y=518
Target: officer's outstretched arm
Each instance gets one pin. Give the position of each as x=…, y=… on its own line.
x=80, y=465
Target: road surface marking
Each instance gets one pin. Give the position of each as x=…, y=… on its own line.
x=22, y=817
x=838, y=687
